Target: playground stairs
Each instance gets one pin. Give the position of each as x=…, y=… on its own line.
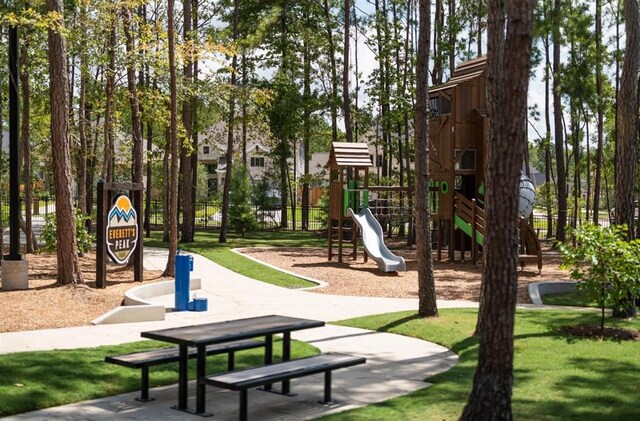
x=470, y=219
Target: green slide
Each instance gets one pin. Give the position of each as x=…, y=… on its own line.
x=466, y=228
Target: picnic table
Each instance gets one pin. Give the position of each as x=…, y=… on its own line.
x=199, y=336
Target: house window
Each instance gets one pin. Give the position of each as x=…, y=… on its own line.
x=205, y=150
x=257, y=161
x=379, y=161
x=211, y=168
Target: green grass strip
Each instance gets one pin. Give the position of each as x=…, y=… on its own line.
x=557, y=377
x=36, y=380
x=206, y=244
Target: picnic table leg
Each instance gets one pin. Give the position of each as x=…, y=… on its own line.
x=268, y=355
x=183, y=361
x=144, y=387
x=201, y=372
x=286, y=356
x=327, y=388
x=243, y=405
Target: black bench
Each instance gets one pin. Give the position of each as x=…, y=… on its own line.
x=146, y=359
x=259, y=376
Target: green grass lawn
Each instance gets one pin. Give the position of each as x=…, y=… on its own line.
x=206, y=243
x=557, y=377
x=570, y=299
x=36, y=380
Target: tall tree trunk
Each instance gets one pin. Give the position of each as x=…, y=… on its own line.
x=134, y=103
x=166, y=185
x=172, y=214
x=600, y=114
x=627, y=107
x=25, y=137
x=509, y=62
x=547, y=139
x=557, y=122
x=334, y=72
x=2, y=204
x=188, y=211
x=230, y=130
x=109, y=126
x=346, y=102
x=427, y=305
x=82, y=121
x=194, y=110
x=306, y=125
x=66, y=249
x=627, y=141
x=437, y=69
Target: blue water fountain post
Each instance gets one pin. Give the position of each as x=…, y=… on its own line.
x=183, y=267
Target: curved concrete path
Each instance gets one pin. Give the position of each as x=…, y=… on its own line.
x=396, y=365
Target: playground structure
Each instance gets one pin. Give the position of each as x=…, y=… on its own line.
x=458, y=135
x=459, y=130
x=349, y=212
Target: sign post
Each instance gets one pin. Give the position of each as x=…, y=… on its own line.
x=118, y=229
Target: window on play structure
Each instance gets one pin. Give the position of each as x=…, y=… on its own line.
x=434, y=107
x=467, y=161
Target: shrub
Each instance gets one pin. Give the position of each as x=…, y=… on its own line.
x=606, y=266
x=84, y=238
x=241, y=217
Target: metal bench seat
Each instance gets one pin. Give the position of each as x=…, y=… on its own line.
x=146, y=359
x=246, y=379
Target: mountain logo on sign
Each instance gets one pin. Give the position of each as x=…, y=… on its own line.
x=122, y=230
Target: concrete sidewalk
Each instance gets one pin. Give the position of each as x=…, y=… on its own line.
x=396, y=365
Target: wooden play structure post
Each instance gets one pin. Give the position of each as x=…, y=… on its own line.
x=346, y=161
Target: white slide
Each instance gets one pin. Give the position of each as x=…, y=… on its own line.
x=372, y=238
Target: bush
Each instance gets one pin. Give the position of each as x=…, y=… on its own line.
x=84, y=238
x=241, y=217
x=606, y=266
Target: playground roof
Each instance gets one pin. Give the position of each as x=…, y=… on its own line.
x=349, y=154
x=464, y=72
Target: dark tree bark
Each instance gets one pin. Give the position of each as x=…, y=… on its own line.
x=510, y=33
x=134, y=103
x=186, y=163
x=627, y=107
x=334, y=72
x=230, y=130
x=109, y=126
x=1, y=149
x=557, y=123
x=627, y=140
x=194, y=110
x=306, y=125
x=172, y=214
x=66, y=249
x=346, y=102
x=25, y=138
x=547, y=120
x=83, y=121
x=437, y=69
x=427, y=305
x=600, y=113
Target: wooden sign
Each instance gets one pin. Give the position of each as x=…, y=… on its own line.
x=122, y=230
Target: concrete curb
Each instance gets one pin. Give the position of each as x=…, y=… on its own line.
x=537, y=290
x=138, y=308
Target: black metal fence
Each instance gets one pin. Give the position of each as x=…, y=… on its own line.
x=209, y=216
